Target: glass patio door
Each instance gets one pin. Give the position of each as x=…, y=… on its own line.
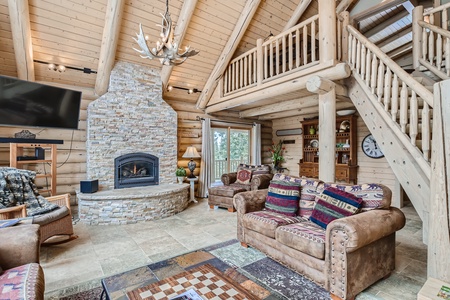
x=231, y=148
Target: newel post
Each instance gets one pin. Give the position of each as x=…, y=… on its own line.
x=417, y=35
x=345, y=20
x=259, y=61
x=327, y=32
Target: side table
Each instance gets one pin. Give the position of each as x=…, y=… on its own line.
x=192, y=188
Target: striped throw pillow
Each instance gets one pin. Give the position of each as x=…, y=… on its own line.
x=334, y=204
x=283, y=197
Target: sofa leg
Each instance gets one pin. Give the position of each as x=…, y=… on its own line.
x=211, y=206
x=334, y=297
x=231, y=209
x=244, y=245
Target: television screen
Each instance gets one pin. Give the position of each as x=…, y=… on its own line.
x=31, y=104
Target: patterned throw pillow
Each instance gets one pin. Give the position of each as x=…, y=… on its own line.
x=334, y=204
x=283, y=197
x=244, y=176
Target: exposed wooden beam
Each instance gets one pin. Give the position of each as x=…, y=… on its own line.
x=297, y=14
x=380, y=27
x=280, y=106
x=276, y=88
x=110, y=39
x=391, y=38
x=228, y=51
x=310, y=111
x=187, y=10
x=19, y=16
x=374, y=10
x=400, y=50
x=343, y=6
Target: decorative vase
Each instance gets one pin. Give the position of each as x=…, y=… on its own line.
x=312, y=130
x=180, y=179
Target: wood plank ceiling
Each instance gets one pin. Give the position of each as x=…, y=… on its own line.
x=69, y=32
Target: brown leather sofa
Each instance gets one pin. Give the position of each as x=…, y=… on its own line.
x=345, y=258
x=19, y=263
x=222, y=196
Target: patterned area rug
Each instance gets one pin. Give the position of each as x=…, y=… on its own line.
x=255, y=272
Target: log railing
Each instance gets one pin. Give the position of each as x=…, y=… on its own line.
x=291, y=50
x=221, y=167
x=401, y=100
x=432, y=40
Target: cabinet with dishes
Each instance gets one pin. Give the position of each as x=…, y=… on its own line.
x=346, y=155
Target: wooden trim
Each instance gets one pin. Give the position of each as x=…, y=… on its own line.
x=110, y=40
x=228, y=51
x=303, y=111
x=19, y=16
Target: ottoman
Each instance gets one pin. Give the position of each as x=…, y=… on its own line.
x=222, y=196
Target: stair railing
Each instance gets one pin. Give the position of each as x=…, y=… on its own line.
x=431, y=41
x=395, y=93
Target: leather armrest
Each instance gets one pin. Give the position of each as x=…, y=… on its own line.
x=229, y=178
x=260, y=181
x=250, y=201
x=22, y=246
x=366, y=227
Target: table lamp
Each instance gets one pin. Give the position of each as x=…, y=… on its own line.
x=191, y=153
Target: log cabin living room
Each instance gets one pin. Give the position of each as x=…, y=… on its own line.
x=246, y=149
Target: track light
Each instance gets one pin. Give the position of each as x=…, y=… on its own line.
x=189, y=90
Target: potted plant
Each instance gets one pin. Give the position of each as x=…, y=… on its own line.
x=276, y=152
x=181, y=173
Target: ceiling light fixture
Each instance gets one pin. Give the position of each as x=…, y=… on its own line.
x=166, y=49
x=62, y=68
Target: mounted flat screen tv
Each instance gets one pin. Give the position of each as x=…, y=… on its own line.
x=30, y=104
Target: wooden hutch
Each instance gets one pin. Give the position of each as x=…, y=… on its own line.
x=346, y=154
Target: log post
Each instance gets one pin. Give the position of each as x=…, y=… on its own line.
x=417, y=35
x=327, y=32
x=439, y=220
x=345, y=21
x=19, y=15
x=327, y=125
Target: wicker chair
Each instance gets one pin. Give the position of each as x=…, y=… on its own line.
x=56, y=222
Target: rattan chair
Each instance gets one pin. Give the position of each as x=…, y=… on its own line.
x=54, y=223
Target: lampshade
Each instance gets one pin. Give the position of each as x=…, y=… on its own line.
x=191, y=152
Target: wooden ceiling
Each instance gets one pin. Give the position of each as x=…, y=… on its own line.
x=69, y=32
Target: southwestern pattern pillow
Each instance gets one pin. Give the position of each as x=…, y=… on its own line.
x=244, y=176
x=283, y=197
x=334, y=204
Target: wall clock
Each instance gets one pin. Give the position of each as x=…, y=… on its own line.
x=370, y=147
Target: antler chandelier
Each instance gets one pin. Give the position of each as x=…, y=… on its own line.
x=166, y=49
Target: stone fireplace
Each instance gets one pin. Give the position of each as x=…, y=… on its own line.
x=132, y=150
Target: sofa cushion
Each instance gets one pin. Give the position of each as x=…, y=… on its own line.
x=266, y=222
x=308, y=195
x=304, y=236
x=23, y=282
x=257, y=169
x=226, y=190
x=244, y=176
x=283, y=197
x=334, y=204
x=374, y=195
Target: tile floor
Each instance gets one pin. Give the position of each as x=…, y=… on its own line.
x=101, y=251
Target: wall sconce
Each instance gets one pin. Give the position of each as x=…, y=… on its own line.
x=189, y=90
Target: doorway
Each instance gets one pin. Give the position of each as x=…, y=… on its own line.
x=231, y=148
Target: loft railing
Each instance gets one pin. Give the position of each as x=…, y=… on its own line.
x=401, y=100
x=221, y=167
x=291, y=50
x=431, y=40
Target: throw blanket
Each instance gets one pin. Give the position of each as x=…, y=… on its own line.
x=17, y=187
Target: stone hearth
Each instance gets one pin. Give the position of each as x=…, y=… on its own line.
x=131, y=117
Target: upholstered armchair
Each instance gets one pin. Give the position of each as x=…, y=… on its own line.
x=246, y=178
x=20, y=199
x=19, y=263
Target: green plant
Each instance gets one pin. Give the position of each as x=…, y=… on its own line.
x=180, y=172
x=276, y=151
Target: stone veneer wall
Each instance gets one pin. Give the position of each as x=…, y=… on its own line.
x=131, y=117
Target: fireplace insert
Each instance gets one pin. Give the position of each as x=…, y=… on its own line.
x=136, y=169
